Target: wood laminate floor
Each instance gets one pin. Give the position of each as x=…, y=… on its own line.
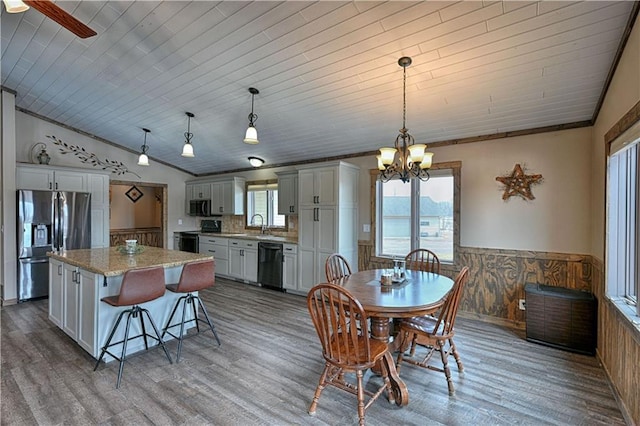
x=266, y=371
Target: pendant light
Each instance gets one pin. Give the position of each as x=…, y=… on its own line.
x=15, y=6
x=251, y=137
x=187, y=149
x=256, y=161
x=412, y=161
x=143, y=160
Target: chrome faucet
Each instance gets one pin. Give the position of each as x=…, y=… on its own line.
x=262, y=227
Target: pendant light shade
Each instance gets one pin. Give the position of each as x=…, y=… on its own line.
x=143, y=159
x=15, y=6
x=251, y=136
x=187, y=149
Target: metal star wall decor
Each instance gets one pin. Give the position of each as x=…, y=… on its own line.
x=518, y=183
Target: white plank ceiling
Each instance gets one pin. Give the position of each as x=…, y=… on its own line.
x=327, y=72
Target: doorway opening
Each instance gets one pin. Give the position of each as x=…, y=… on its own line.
x=137, y=211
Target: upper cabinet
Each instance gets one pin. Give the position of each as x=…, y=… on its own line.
x=227, y=195
x=287, y=193
x=318, y=186
x=198, y=191
x=49, y=179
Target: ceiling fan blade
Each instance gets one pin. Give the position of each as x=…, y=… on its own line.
x=51, y=10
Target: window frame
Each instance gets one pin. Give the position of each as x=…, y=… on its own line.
x=617, y=169
x=456, y=172
x=246, y=215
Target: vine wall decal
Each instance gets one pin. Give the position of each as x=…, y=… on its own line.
x=86, y=157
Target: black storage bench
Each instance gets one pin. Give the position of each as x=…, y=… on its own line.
x=561, y=317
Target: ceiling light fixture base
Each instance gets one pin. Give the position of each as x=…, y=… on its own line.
x=255, y=161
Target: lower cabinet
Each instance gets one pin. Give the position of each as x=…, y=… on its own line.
x=219, y=249
x=72, y=302
x=243, y=260
x=290, y=267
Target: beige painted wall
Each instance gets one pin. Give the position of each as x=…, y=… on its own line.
x=558, y=220
x=623, y=94
x=125, y=214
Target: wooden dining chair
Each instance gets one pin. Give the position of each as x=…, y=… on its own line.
x=336, y=267
x=346, y=345
x=423, y=260
x=435, y=334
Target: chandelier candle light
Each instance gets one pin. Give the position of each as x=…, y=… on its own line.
x=187, y=149
x=143, y=159
x=413, y=161
x=251, y=137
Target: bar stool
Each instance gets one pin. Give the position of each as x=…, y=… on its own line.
x=138, y=286
x=195, y=276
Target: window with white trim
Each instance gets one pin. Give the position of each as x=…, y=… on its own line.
x=623, y=220
x=262, y=206
x=417, y=214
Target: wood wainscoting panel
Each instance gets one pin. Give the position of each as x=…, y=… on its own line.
x=151, y=237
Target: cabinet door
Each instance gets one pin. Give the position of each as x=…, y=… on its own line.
x=307, y=269
x=34, y=178
x=216, y=198
x=188, y=190
x=235, y=262
x=99, y=189
x=201, y=191
x=71, y=181
x=306, y=188
x=70, y=300
x=326, y=185
x=87, y=311
x=55, y=292
x=251, y=265
x=288, y=194
x=289, y=271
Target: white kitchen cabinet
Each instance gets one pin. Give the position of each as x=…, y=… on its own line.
x=290, y=266
x=219, y=248
x=243, y=260
x=227, y=196
x=46, y=178
x=327, y=216
x=287, y=193
x=70, y=291
x=99, y=189
x=199, y=191
x=55, y=292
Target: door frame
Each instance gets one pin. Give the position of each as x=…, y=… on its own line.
x=165, y=210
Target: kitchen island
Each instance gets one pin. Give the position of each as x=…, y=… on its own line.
x=78, y=279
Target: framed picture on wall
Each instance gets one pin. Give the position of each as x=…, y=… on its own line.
x=134, y=193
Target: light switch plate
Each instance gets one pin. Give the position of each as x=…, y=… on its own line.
x=366, y=228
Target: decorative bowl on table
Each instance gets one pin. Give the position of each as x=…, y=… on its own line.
x=128, y=250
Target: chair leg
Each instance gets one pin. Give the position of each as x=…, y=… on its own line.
x=445, y=366
x=181, y=335
x=206, y=316
x=194, y=308
x=321, y=385
x=159, y=338
x=175, y=308
x=456, y=356
x=144, y=332
x=360, y=397
x=106, y=346
x=124, y=350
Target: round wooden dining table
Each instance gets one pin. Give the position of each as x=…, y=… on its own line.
x=421, y=293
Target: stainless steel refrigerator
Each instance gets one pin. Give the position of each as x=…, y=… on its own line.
x=48, y=221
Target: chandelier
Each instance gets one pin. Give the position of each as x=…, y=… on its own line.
x=412, y=160
x=187, y=148
x=251, y=136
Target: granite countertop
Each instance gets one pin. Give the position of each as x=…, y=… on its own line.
x=110, y=262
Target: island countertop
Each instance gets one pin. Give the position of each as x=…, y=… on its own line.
x=110, y=262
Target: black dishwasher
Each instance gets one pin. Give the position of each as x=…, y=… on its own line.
x=270, y=265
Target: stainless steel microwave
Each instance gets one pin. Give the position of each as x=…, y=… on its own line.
x=200, y=208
